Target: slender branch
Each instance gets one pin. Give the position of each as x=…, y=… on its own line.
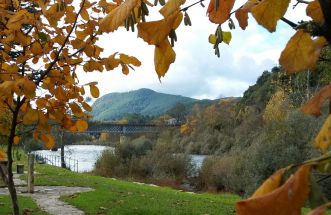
x=49, y=68
x=290, y=23
x=323, y=178
x=302, y=1
x=186, y=8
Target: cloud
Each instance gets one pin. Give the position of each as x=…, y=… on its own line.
x=197, y=72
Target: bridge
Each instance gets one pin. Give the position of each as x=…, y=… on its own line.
x=113, y=128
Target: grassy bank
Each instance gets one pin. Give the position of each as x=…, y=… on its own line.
x=26, y=205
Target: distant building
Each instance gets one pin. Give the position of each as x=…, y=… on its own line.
x=172, y=121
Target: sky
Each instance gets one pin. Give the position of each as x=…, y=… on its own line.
x=197, y=72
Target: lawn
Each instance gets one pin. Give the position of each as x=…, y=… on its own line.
x=26, y=204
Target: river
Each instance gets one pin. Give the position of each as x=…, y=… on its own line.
x=87, y=155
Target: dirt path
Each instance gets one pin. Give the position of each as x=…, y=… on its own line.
x=47, y=198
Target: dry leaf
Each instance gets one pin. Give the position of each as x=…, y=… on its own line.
x=222, y=13
x=164, y=55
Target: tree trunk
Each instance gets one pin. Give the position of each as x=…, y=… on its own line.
x=63, y=164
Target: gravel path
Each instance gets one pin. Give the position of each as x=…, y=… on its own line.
x=47, y=197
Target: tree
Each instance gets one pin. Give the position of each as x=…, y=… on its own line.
x=178, y=111
x=42, y=43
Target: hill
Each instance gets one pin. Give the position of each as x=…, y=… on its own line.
x=114, y=106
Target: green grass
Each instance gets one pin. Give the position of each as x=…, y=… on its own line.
x=24, y=203
x=121, y=197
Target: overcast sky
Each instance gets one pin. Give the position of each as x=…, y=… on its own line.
x=197, y=72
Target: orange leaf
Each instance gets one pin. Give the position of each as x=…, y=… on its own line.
x=222, y=13
x=156, y=32
x=268, y=12
x=285, y=200
x=36, y=48
x=164, y=55
x=315, y=12
x=117, y=16
x=171, y=6
x=77, y=111
x=81, y=125
x=314, y=105
x=16, y=140
x=86, y=106
x=48, y=140
x=301, y=52
x=272, y=183
x=30, y=117
x=94, y=91
x=129, y=60
x=2, y=155
x=323, y=139
x=321, y=210
x=242, y=18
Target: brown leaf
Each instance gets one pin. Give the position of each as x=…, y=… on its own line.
x=48, y=140
x=242, y=17
x=314, y=105
x=16, y=140
x=117, y=16
x=2, y=155
x=315, y=12
x=94, y=91
x=272, y=183
x=155, y=32
x=171, y=6
x=268, y=12
x=222, y=13
x=301, y=52
x=285, y=200
x=321, y=210
x=164, y=55
x=30, y=117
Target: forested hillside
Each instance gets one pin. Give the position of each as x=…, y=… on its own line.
x=114, y=106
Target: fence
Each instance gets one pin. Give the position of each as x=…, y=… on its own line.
x=55, y=160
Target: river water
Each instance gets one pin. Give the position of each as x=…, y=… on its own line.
x=87, y=155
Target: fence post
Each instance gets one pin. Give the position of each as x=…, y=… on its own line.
x=31, y=173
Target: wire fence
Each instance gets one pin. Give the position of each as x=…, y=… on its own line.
x=55, y=160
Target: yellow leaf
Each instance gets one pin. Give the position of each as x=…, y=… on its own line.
x=222, y=13
x=268, y=12
x=48, y=140
x=300, y=53
x=314, y=105
x=94, y=91
x=314, y=11
x=15, y=22
x=29, y=89
x=60, y=93
x=41, y=103
x=85, y=15
x=164, y=55
x=272, y=183
x=30, y=117
x=242, y=17
x=212, y=39
x=125, y=69
x=285, y=200
x=323, y=139
x=81, y=125
x=226, y=37
x=36, y=48
x=170, y=7
x=77, y=111
x=16, y=140
x=86, y=106
x=111, y=62
x=129, y=60
x=2, y=155
x=117, y=16
x=156, y=32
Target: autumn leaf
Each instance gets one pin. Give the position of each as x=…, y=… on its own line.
x=272, y=183
x=285, y=200
x=94, y=91
x=21, y=17
x=16, y=140
x=301, y=52
x=313, y=106
x=227, y=36
x=156, y=32
x=117, y=16
x=2, y=155
x=36, y=48
x=86, y=106
x=164, y=55
x=48, y=140
x=323, y=139
x=222, y=13
x=77, y=111
x=314, y=11
x=322, y=210
x=30, y=117
x=170, y=7
x=129, y=60
x=81, y=125
x=242, y=17
x=268, y=12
